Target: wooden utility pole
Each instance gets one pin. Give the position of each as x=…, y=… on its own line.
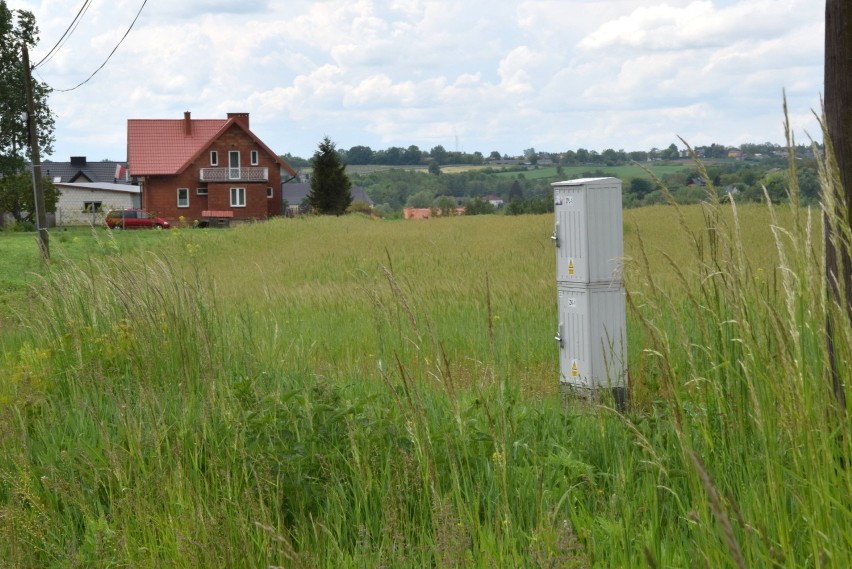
x=38, y=190
x=838, y=120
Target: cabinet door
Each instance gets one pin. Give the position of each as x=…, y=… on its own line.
x=570, y=235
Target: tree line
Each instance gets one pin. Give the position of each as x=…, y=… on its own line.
x=413, y=156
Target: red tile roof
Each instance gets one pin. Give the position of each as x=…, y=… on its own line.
x=160, y=146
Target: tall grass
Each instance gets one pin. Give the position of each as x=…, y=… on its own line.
x=380, y=401
x=743, y=367
x=144, y=430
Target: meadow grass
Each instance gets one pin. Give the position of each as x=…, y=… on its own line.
x=346, y=392
x=624, y=171
x=21, y=265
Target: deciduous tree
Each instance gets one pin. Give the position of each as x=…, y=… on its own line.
x=478, y=206
x=18, y=28
x=16, y=196
x=439, y=154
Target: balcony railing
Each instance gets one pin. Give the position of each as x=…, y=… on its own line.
x=254, y=174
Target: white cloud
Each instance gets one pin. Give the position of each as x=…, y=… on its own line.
x=554, y=74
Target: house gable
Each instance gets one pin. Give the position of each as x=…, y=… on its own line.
x=231, y=124
x=81, y=177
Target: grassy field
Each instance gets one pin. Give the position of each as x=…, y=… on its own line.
x=347, y=392
x=625, y=172
x=313, y=275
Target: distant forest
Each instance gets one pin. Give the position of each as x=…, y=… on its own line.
x=396, y=178
x=414, y=156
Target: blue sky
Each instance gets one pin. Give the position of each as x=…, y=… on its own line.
x=474, y=75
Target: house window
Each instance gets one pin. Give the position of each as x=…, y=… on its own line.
x=200, y=191
x=214, y=158
x=254, y=158
x=183, y=197
x=234, y=165
x=92, y=207
x=269, y=192
x=238, y=197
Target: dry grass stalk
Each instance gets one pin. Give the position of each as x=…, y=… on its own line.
x=719, y=513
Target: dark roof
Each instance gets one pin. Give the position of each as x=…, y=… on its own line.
x=80, y=170
x=295, y=193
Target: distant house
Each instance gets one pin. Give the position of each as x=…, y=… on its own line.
x=200, y=169
x=505, y=161
x=86, y=203
x=416, y=213
x=295, y=193
x=427, y=213
x=495, y=201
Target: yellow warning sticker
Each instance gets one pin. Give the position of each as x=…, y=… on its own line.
x=574, y=372
x=571, y=267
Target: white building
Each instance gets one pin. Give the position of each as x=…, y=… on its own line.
x=86, y=203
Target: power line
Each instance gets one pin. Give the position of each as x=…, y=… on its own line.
x=68, y=31
x=110, y=53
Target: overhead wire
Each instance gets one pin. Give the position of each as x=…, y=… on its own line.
x=68, y=31
x=144, y=2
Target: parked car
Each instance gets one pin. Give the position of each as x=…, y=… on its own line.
x=134, y=219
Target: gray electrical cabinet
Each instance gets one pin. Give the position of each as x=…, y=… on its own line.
x=589, y=241
x=588, y=233
x=591, y=336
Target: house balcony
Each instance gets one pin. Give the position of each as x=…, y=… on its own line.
x=253, y=174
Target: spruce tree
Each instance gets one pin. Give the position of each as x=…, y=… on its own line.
x=329, y=184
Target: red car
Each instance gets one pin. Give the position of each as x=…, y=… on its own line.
x=134, y=219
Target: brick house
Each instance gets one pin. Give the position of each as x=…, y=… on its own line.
x=205, y=169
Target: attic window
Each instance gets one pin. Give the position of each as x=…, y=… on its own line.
x=254, y=158
x=214, y=158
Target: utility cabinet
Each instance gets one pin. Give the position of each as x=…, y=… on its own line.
x=590, y=335
x=592, y=323
x=588, y=232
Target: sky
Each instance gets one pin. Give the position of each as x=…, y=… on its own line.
x=469, y=75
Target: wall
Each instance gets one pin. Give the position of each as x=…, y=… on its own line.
x=69, y=206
